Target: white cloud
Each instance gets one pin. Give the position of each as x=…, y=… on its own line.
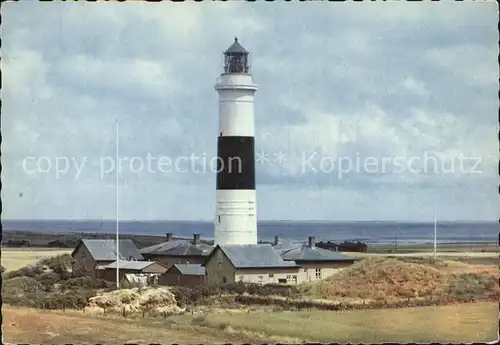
x=475, y=63
x=340, y=80
x=416, y=86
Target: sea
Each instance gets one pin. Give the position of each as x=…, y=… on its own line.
x=370, y=232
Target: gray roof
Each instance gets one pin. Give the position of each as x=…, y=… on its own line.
x=178, y=248
x=306, y=253
x=286, y=244
x=130, y=265
x=254, y=256
x=191, y=269
x=105, y=249
x=236, y=48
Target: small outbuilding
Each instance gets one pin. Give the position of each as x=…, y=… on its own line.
x=184, y=275
x=17, y=243
x=149, y=269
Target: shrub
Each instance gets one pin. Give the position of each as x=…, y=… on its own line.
x=86, y=282
x=24, y=291
x=48, y=279
x=59, y=263
x=72, y=299
x=27, y=271
x=470, y=284
x=199, y=294
x=184, y=295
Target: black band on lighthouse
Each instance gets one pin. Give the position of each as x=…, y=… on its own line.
x=236, y=163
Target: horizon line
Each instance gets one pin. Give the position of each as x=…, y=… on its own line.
x=262, y=220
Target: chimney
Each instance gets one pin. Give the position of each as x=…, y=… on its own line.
x=169, y=236
x=196, y=239
x=277, y=240
x=311, y=242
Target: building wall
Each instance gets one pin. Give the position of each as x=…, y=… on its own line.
x=269, y=276
x=312, y=271
x=83, y=264
x=219, y=269
x=169, y=261
x=110, y=274
x=155, y=268
x=177, y=279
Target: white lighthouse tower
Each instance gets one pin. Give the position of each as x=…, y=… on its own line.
x=236, y=211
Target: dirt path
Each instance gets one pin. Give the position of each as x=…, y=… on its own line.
x=22, y=325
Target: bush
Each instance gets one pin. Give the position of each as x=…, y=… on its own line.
x=86, y=282
x=48, y=279
x=25, y=291
x=183, y=295
x=27, y=271
x=73, y=299
x=470, y=284
x=29, y=292
x=199, y=294
x=60, y=263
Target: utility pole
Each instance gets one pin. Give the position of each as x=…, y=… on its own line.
x=435, y=234
x=117, y=210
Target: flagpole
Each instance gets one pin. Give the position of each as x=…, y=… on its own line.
x=117, y=208
x=435, y=233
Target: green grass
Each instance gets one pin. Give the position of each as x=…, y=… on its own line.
x=476, y=322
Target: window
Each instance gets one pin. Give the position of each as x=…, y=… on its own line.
x=288, y=277
x=271, y=275
x=218, y=219
x=219, y=263
x=318, y=273
x=261, y=279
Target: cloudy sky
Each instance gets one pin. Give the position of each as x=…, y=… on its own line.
x=378, y=111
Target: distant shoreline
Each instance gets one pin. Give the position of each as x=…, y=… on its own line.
x=403, y=222
x=41, y=239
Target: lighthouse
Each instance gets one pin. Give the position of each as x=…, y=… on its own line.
x=236, y=211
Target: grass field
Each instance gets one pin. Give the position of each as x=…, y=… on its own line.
x=24, y=325
x=464, y=323
x=476, y=322
x=15, y=258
